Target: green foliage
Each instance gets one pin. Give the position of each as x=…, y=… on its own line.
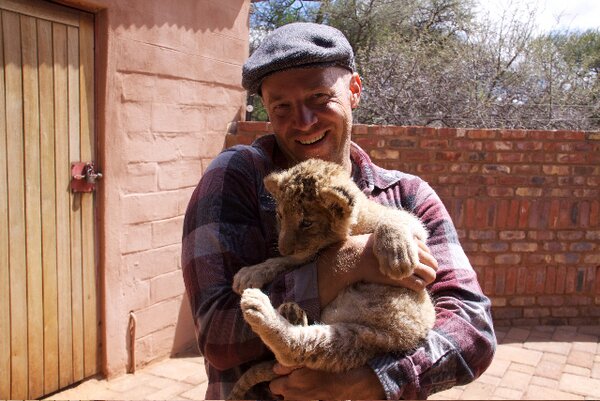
x=267, y=15
x=581, y=49
x=258, y=113
x=271, y=14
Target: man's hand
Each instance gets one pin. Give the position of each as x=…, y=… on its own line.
x=307, y=384
x=425, y=271
x=345, y=264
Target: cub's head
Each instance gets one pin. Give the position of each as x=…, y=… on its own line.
x=315, y=206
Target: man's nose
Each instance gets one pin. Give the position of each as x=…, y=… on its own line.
x=305, y=117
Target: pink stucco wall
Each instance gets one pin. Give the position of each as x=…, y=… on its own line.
x=168, y=83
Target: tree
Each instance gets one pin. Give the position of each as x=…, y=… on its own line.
x=267, y=15
x=431, y=62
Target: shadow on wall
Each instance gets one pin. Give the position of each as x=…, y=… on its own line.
x=194, y=15
x=184, y=341
x=207, y=16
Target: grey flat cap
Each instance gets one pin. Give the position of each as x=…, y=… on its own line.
x=297, y=45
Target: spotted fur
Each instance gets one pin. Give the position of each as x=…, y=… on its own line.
x=318, y=205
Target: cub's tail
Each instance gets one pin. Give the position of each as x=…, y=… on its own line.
x=258, y=373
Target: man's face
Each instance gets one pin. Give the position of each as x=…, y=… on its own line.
x=311, y=112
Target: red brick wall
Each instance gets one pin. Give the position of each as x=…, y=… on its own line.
x=526, y=205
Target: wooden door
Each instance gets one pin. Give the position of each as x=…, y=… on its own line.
x=48, y=285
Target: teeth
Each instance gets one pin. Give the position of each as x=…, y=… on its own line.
x=311, y=141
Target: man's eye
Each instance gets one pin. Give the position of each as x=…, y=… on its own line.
x=281, y=109
x=321, y=98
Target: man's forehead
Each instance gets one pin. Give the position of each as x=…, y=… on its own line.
x=307, y=79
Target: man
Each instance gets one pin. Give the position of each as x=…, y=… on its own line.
x=306, y=77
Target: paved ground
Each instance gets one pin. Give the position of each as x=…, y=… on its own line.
x=551, y=363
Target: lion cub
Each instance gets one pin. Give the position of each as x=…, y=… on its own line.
x=318, y=205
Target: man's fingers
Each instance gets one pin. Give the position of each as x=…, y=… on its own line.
x=426, y=257
x=277, y=386
x=282, y=370
x=413, y=283
x=424, y=273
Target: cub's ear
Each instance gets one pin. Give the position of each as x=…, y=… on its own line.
x=272, y=183
x=338, y=199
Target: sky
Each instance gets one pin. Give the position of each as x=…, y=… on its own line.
x=574, y=14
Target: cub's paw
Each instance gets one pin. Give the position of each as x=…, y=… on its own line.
x=396, y=250
x=257, y=308
x=293, y=313
x=247, y=277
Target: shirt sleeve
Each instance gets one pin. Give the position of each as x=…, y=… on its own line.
x=462, y=343
x=226, y=227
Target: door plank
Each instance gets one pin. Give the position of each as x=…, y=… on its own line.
x=43, y=10
x=75, y=155
x=48, y=283
x=33, y=218
x=48, y=191
x=16, y=205
x=63, y=235
x=4, y=272
x=90, y=302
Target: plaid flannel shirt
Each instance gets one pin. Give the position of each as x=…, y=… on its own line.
x=230, y=223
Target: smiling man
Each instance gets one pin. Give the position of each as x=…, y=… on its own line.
x=306, y=77
x=311, y=112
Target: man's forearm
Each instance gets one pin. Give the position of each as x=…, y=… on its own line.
x=339, y=266
x=352, y=261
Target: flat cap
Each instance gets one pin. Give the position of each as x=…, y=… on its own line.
x=297, y=45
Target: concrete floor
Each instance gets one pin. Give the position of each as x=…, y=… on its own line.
x=543, y=363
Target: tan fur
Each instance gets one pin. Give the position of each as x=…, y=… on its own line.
x=263, y=371
x=318, y=205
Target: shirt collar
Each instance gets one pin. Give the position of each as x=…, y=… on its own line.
x=367, y=175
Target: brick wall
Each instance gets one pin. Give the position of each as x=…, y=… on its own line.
x=526, y=205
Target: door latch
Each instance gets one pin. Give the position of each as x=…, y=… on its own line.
x=84, y=177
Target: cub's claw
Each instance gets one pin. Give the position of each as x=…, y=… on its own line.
x=396, y=250
x=246, y=277
x=293, y=313
x=256, y=307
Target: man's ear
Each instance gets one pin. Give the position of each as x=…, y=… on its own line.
x=338, y=199
x=355, y=90
x=272, y=183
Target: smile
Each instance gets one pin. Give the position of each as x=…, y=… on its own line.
x=312, y=140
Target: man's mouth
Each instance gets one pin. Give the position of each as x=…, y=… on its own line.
x=310, y=141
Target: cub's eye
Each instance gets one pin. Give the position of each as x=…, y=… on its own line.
x=306, y=223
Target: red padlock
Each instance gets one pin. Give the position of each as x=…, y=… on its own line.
x=84, y=177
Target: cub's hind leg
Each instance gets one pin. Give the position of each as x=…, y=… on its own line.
x=336, y=347
x=263, y=371
x=274, y=330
